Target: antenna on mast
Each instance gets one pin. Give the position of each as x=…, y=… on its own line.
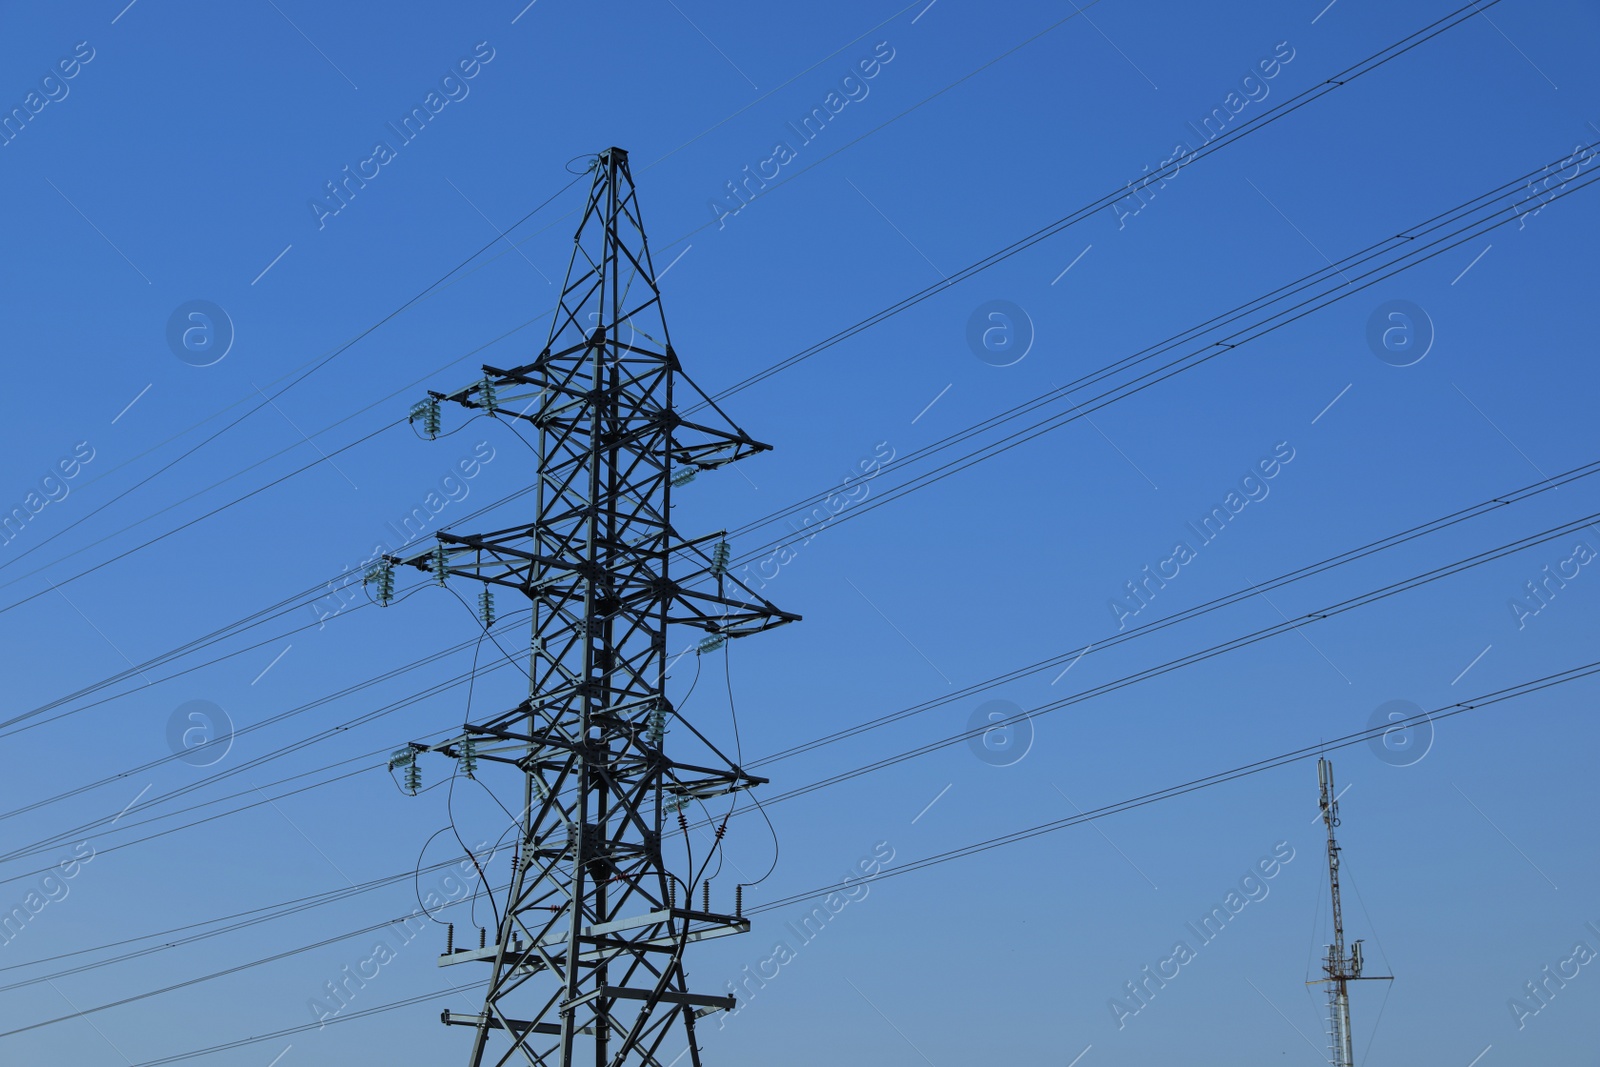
x=1341, y=968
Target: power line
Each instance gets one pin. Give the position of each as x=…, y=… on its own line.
x=1494, y=503
x=290, y=1031
x=1286, y=626
x=807, y=789
x=222, y=973
x=108, y=560
x=249, y=918
x=312, y=369
x=43, y=846
x=187, y=983
x=1405, y=240
x=282, y=607
x=350, y=690
x=1215, y=604
x=1251, y=638
x=237, y=921
x=267, y=459
x=244, y=399
x=1280, y=323
x=1372, y=62
x=1508, y=693
x=1523, y=689
x=1351, y=739
x=198, y=822
x=1411, y=583
x=158, y=472
x=1189, y=361
x=1228, y=137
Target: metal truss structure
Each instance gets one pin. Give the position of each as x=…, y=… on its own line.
x=587, y=963
x=1340, y=966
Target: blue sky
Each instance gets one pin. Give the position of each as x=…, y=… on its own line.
x=174, y=153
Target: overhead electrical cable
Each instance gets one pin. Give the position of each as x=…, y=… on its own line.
x=194, y=931
x=1523, y=689
x=1495, y=503
x=1249, y=591
x=350, y=690
x=325, y=456
x=343, y=1017
x=1053, y=423
x=1404, y=239
x=1287, y=625
x=296, y=380
x=1227, y=137
x=1414, y=256
x=1370, y=63
x=1508, y=693
x=1157, y=174
x=190, y=982
x=1036, y=36
x=277, y=610
x=124, y=824
x=1564, y=192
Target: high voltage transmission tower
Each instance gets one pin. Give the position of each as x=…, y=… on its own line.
x=587, y=962
x=1340, y=967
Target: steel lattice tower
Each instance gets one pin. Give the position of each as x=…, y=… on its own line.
x=587, y=963
x=1341, y=967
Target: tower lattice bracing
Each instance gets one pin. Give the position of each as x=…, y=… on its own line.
x=1338, y=966
x=1341, y=967
x=607, y=891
